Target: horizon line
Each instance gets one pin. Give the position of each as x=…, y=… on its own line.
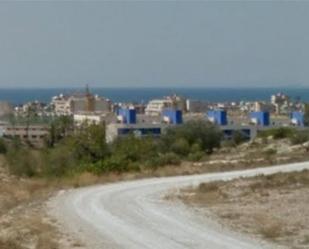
x=152, y=87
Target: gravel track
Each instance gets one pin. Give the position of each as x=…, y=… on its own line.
x=134, y=215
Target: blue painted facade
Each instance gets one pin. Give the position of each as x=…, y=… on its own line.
x=260, y=118
x=140, y=131
x=172, y=116
x=297, y=118
x=218, y=117
x=128, y=116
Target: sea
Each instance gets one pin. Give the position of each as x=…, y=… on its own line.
x=18, y=96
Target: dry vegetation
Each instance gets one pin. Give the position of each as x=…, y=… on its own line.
x=23, y=222
x=272, y=207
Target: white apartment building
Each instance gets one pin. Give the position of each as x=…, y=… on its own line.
x=155, y=107
x=82, y=103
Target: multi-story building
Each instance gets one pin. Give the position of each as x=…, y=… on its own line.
x=81, y=119
x=80, y=103
x=281, y=102
x=5, y=108
x=197, y=106
x=156, y=106
x=61, y=105
x=35, y=134
x=264, y=107
x=33, y=108
x=127, y=123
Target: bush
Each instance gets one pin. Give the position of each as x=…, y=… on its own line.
x=134, y=148
x=195, y=148
x=306, y=114
x=300, y=137
x=196, y=156
x=238, y=138
x=60, y=128
x=278, y=133
x=22, y=162
x=269, y=153
x=181, y=147
x=205, y=134
x=227, y=144
x=76, y=153
x=3, y=147
x=169, y=158
x=85, y=150
x=163, y=159
x=118, y=163
x=59, y=161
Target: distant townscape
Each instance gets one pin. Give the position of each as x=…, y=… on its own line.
x=31, y=121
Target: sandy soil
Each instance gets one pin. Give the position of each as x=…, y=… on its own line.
x=275, y=208
x=23, y=220
x=24, y=223
x=133, y=215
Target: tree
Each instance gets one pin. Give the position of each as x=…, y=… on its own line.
x=181, y=147
x=200, y=132
x=60, y=128
x=89, y=143
x=238, y=138
x=3, y=146
x=306, y=115
x=135, y=148
x=78, y=151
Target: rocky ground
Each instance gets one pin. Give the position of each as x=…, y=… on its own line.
x=24, y=223
x=274, y=207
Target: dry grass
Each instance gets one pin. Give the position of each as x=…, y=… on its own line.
x=22, y=223
x=17, y=191
x=33, y=233
x=21, y=216
x=9, y=244
x=272, y=207
x=269, y=227
x=305, y=240
x=22, y=220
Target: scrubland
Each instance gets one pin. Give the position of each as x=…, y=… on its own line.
x=271, y=207
x=29, y=176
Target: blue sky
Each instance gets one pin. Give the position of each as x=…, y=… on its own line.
x=136, y=43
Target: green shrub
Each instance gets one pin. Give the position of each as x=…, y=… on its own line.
x=205, y=134
x=22, y=162
x=181, y=147
x=238, y=138
x=300, y=137
x=196, y=156
x=306, y=114
x=169, y=158
x=278, y=133
x=118, y=163
x=195, y=148
x=134, y=148
x=227, y=144
x=69, y=153
x=60, y=128
x=59, y=161
x=3, y=146
x=270, y=152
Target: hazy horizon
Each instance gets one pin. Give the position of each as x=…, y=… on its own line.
x=91, y=88
x=154, y=44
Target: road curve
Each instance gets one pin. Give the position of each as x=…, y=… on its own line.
x=133, y=215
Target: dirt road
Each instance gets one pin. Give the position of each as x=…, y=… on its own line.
x=134, y=215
